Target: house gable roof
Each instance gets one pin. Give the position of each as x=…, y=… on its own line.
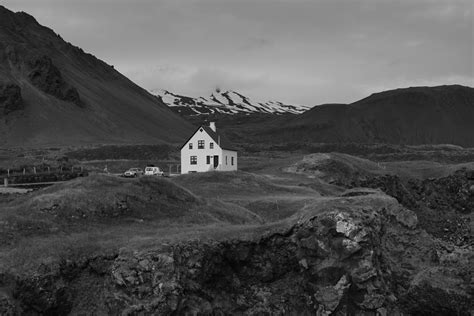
x=223, y=142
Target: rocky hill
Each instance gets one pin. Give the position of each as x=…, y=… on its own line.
x=357, y=255
x=224, y=102
x=53, y=93
x=417, y=115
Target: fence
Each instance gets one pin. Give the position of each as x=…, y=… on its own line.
x=174, y=169
x=38, y=174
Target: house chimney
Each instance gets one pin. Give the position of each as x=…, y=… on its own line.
x=212, y=125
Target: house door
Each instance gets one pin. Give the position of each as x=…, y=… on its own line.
x=216, y=161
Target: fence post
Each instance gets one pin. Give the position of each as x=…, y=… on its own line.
x=8, y=172
x=5, y=182
x=34, y=170
x=24, y=171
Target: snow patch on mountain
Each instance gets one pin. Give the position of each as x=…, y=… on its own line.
x=224, y=102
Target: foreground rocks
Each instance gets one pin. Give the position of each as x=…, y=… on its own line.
x=360, y=255
x=444, y=206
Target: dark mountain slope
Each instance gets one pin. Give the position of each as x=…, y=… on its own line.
x=52, y=92
x=419, y=115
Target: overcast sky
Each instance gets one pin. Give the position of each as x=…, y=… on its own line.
x=307, y=52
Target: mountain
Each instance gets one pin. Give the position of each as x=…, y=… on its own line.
x=224, y=102
x=416, y=115
x=53, y=93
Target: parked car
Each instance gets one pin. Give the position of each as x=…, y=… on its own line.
x=153, y=171
x=133, y=172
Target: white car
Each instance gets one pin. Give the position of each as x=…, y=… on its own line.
x=133, y=172
x=153, y=171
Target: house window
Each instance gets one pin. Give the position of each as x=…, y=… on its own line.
x=194, y=160
x=190, y=145
x=200, y=144
x=211, y=145
x=208, y=160
x=232, y=161
x=226, y=160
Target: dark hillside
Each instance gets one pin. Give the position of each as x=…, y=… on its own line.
x=53, y=93
x=419, y=115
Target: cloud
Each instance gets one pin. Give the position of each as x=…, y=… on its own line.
x=256, y=43
x=447, y=11
x=296, y=51
x=206, y=79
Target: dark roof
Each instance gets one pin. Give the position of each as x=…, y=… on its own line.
x=223, y=142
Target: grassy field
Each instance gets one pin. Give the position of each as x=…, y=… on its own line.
x=103, y=213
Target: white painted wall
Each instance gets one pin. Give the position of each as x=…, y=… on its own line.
x=227, y=156
x=201, y=155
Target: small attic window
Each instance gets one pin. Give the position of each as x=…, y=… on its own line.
x=201, y=130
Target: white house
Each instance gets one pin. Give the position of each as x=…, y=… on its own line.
x=206, y=150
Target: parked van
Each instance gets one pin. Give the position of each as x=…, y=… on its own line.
x=153, y=171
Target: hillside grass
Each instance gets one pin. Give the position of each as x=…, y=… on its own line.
x=102, y=213
x=337, y=166
x=234, y=184
x=106, y=199
x=129, y=152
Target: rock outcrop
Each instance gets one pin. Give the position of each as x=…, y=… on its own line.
x=10, y=98
x=47, y=77
x=443, y=205
x=360, y=255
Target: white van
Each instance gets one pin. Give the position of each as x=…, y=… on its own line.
x=153, y=171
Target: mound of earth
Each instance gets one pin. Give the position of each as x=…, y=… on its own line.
x=359, y=255
x=108, y=201
x=109, y=197
x=336, y=168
